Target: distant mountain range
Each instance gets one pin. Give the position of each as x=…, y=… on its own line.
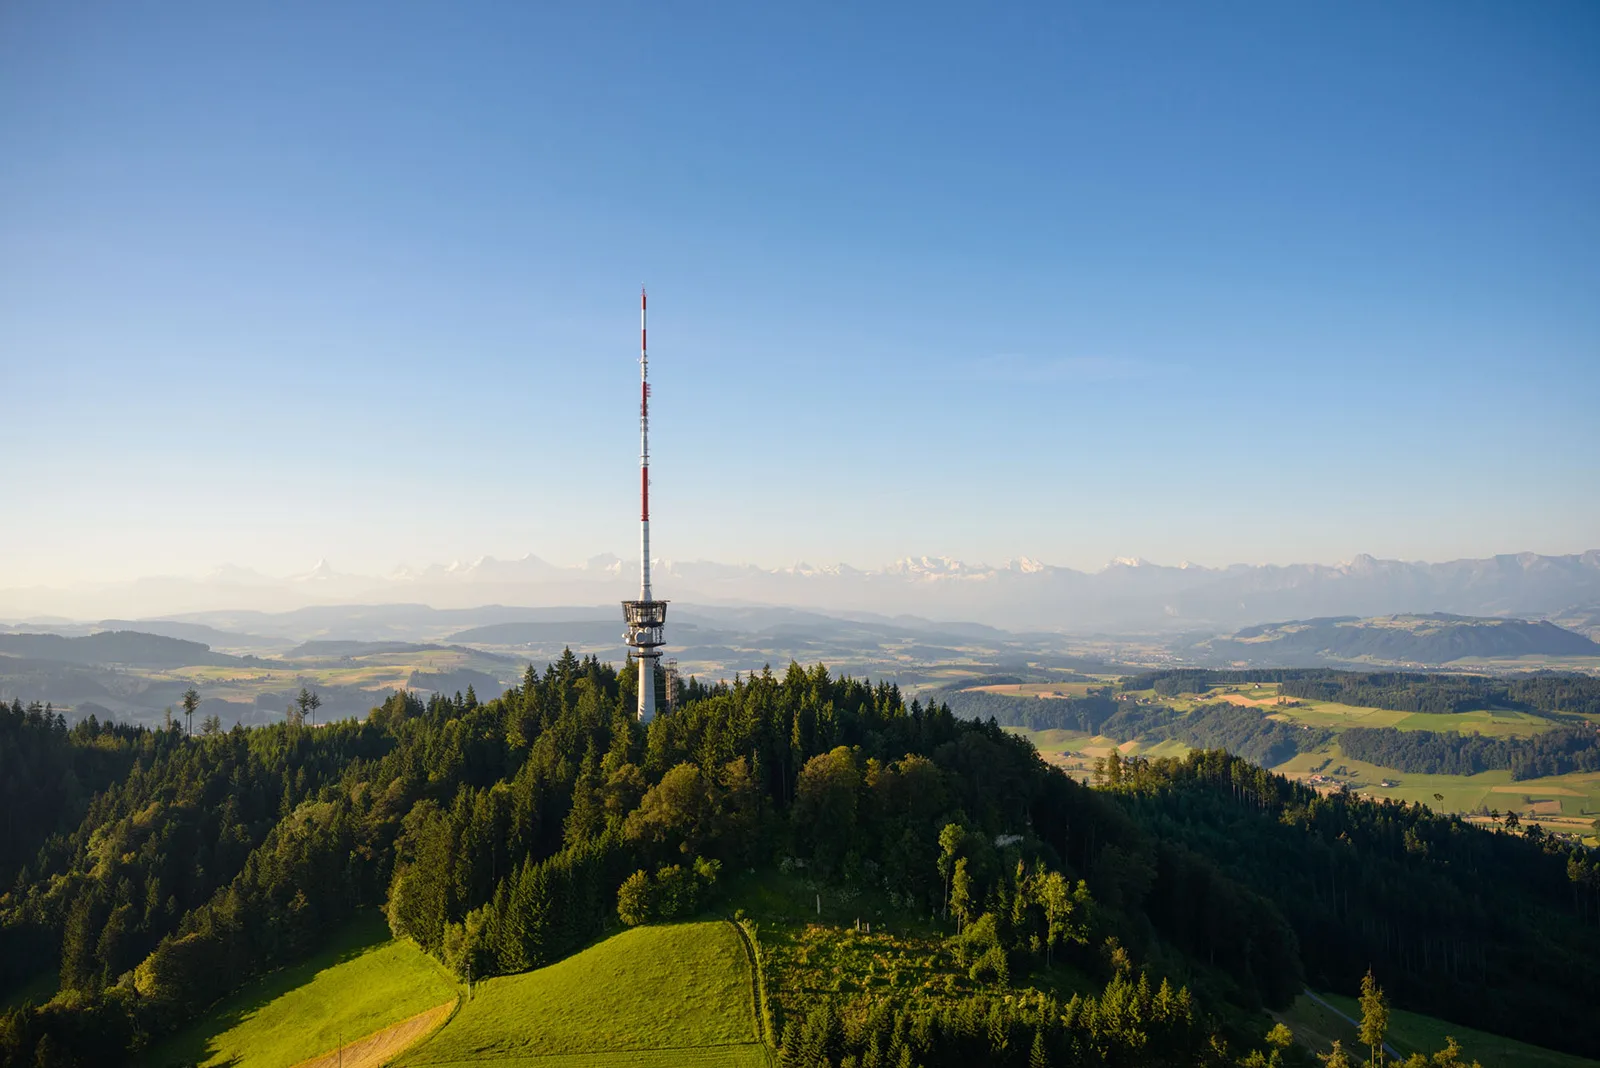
x=1431, y=640
x=1127, y=595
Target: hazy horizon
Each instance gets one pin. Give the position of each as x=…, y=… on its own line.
x=1126, y=595
x=411, y=568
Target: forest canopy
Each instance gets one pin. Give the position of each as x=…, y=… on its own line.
x=161, y=870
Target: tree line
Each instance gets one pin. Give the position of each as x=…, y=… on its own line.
x=1552, y=693
x=1555, y=752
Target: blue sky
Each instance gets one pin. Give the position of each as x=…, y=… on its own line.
x=1227, y=282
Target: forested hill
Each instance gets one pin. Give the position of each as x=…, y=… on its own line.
x=1418, y=639
x=130, y=647
x=1403, y=691
x=1182, y=896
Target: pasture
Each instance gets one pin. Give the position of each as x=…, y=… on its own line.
x=656, y=995
x=1497, y=723
x=1338, y=717
x=1561, y=802
x=362, y=983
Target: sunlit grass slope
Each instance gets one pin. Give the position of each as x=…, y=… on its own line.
x=362, y=982
x=667, y=995
x=1410, y=1032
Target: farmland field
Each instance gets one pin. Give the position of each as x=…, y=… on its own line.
x=1500, y=723
x=1038, y=689
x=1567, y=803
x=362, y=983
x=1334, y=716
x=1575, y=797
x=672, y=994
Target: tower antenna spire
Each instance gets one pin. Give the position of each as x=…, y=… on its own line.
x=646, y=618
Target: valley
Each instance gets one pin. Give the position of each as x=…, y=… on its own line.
x=1566, y=804
x=249, y=666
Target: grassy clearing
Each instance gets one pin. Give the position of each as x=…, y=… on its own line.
x=863, y=948
x=1336, y=716
x=362, y=983
x=672, y=994
x=1055, y=741
x=1498, y=723
x=1340, y=717
x=807, y=962
x=1409, y=1032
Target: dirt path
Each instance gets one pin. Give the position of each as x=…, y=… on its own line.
x=1390, y=1050
x=381, y=1047
x=1241, y=699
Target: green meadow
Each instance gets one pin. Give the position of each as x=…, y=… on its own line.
x=657, y=995
x=362, y=982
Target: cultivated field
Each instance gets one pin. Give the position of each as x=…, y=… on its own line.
x=1560, y=802
x=1498, y=722
x=1315, y=1027
x=1566, y=803
x=1038, y=689
x=658, y=995
x=363, y=983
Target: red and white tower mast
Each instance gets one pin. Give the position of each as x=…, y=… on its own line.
x=646, y=617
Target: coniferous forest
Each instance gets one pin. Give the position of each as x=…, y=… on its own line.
x=157, y=871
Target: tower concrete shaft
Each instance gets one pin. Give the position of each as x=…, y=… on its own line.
x=646, y=618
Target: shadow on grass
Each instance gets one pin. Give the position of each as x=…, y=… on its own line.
x=192, y=1045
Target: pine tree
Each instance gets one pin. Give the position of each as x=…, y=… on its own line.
x=191, y=701
x=1038, y=1056
x=961, y=893
x=1374, y=1017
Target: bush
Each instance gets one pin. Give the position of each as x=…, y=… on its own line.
x=635, y=900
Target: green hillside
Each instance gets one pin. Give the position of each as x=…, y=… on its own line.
x=676, y=994
x=362, y=982
x=1316, y=1026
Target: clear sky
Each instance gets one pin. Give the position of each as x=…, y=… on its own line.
x=1221, y=282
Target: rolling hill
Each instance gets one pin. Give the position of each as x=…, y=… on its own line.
x=362, y=986
x=676, y=994
x=1437, y=638
x=132, y=648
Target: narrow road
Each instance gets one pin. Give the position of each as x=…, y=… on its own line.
x=1390, y=1050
